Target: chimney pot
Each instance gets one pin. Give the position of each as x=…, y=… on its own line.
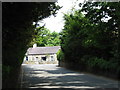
x=35, y=45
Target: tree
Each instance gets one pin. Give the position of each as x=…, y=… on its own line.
x=18, y=28
x=18, y=31
x=109, y=29
x=46, y=38
x=54, y=39
x=91, y=40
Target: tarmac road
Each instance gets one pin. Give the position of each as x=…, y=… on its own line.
x=50, y=76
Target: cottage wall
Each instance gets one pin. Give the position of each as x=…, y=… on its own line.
x=40, y=59
x=39, y=55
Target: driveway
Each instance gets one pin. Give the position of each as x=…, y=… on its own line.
x=50, y=76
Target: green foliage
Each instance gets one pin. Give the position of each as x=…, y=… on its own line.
x=60, y=55
x=92, y=40
x=6, y=69
x=41, y=37
x=18, y=30
x=54, y=39
x=46, y=38
x=100, y=63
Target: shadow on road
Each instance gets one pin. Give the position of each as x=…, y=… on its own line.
x=52, y=77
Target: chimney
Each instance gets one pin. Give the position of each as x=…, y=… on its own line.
x=35, y=45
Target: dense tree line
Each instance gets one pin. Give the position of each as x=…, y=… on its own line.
x=17, y=32
x=91, y=40
x=44, y=37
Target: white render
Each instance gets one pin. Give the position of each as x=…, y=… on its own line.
x=41, y=55
x=37, y=59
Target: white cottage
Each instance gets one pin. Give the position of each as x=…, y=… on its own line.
x=42, y=55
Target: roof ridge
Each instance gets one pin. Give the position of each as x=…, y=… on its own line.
x=51, y=46
x=43, y=50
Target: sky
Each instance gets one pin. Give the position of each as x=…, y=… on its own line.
x=56, y=23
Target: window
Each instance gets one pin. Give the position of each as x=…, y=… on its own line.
x=36, y=58
x=26, y=58
x=52, y=58
x=43, y=58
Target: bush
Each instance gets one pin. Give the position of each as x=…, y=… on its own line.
x=60, y=55
x=99, y=63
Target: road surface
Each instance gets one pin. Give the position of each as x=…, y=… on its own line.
x=52, y=76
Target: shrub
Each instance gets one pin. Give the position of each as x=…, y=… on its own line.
x=60, y=55
x=99, y=63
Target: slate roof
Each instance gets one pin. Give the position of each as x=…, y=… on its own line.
x=43, y=50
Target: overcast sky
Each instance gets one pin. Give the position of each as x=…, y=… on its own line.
x=57, y=23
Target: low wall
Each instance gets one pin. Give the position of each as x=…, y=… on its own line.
x=42, y=62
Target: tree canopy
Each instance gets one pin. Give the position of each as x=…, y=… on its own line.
x=18, y=28
x=18, y=31
x=44, y=37
x=91, y=40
